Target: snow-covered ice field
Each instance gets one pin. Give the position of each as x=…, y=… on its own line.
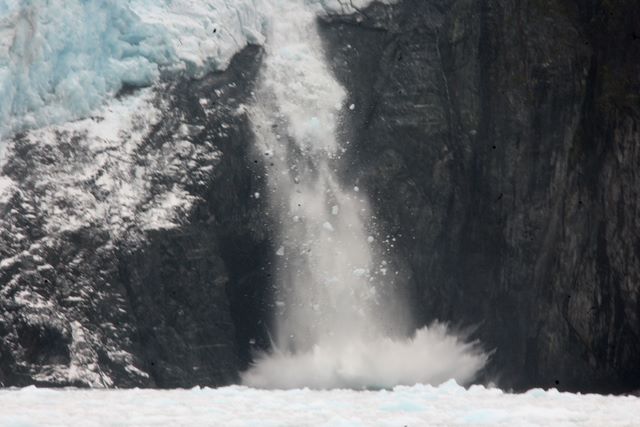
x=446, y=405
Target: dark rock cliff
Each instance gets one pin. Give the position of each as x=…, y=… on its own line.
x=499, y=143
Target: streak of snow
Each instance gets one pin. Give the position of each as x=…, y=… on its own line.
x=100, y=176
x=6, y=192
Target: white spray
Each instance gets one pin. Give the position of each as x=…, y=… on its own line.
x=330, y=331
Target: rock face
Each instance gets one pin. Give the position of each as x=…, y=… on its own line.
x=110, y=292
x=499, y=142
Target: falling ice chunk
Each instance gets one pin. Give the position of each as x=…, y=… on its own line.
x=370, y=239
x=280, y=251
x=256, y=195
x=352, y=107
x=330, y=280
x=314, y=122
x=359, y=272
x=327, y=226
x=356, y=188
x=335, y=209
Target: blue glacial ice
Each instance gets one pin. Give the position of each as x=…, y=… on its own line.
x=60, y=59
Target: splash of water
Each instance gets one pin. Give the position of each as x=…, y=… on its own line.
x=331, y=330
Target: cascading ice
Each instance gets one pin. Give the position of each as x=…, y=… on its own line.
x=331, y=327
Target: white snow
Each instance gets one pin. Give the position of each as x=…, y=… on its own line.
x=5, y=188
x=103, y=182
x=417, y=406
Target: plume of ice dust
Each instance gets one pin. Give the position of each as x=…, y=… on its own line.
x=330, y=322
x=432, y=356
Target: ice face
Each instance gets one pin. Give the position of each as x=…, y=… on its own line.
x=60, y=59
x=331, y=328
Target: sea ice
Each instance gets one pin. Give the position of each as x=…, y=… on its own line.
x=446, y=405
x=61, y=59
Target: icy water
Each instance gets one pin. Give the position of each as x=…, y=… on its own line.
x=446, y=405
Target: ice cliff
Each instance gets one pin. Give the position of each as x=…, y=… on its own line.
x=59, y=60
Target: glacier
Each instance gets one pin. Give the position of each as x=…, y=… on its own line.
x=61, y=59
x=62, y=63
